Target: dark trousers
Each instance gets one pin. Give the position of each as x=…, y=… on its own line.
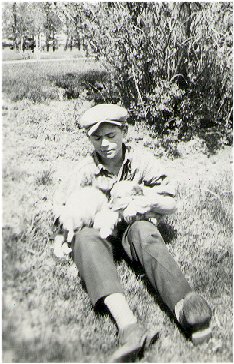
x=143, y=243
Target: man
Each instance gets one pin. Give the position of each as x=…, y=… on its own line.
x=110, y=162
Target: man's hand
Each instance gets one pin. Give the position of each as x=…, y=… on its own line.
x=136, y=209
x=61, y=249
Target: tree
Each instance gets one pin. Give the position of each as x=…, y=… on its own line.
x=22, y=21
x=52, y=23
x=71, y=15
x=14, y=24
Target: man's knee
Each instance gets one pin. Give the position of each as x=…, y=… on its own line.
x=85, y=233
x=141, y=227
x=144, y=231
x=85, y=237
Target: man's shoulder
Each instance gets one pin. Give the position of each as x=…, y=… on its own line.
x=145, y=165
x=141, y=155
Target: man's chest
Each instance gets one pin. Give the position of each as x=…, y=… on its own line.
x=104, y=179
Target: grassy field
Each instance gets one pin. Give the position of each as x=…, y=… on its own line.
x=47, y=315
x=12, y=55
x=42, y=82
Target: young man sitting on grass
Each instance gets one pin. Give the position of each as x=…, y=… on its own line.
x=110, y=162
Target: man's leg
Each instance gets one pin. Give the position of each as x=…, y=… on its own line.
x=94, y=259
x=143, y=242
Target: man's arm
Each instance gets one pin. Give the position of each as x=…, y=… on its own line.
x=150, y=203
x=158, y=203
x=158, y=190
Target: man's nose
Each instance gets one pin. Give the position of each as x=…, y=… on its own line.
x=104, y=142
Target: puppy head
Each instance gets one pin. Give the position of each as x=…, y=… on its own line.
x=103, y=183
x=122, y=194
x=126, y=188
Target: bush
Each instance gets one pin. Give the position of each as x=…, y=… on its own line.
x=166, y=61
x=92, y=83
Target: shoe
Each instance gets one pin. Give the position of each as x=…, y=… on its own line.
x=194, y=316
x=132, y=342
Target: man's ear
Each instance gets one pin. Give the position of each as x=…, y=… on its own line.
x=125, y=130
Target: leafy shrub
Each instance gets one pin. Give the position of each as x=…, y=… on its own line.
x=166, y=60
x=92, y=82
x=45, y=178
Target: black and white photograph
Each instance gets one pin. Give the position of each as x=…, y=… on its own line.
x=117, y=213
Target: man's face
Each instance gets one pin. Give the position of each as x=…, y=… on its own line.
x=108, y=140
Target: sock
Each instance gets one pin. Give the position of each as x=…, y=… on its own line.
x=120, y=310
x=178, y=308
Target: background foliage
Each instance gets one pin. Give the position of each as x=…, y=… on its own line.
x=170, y=64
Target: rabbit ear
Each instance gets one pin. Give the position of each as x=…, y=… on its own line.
x=137, y=190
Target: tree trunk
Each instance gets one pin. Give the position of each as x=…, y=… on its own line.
x=71, y=41
x=53, y=40
x=47, y=42
x=67, y=34
x=14, y=9
x=21, y=43
x=78, y=43
x=37, y=45
x=67, y=42
x=36, y=38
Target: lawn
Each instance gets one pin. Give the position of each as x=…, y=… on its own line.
x=47, y=315
x=42, y=82
x=12, y=55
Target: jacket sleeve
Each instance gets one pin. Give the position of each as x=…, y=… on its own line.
x=159, y=191
x=155, y=176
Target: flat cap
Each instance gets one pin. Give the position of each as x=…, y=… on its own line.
x=103, y=113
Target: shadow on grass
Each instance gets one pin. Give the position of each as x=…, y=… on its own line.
x=215, y=136
x=168, y=232
x=158, y=301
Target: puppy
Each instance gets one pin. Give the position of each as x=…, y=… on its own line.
x=121, y=194
x=80, y=210
x=88, y=206
x=125, y=192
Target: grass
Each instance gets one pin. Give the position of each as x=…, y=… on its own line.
x=47, y=315
x=12, y=55
x=42, y=82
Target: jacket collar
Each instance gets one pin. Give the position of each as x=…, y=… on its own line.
x=101, y=167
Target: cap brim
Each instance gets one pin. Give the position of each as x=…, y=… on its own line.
x=96, y=126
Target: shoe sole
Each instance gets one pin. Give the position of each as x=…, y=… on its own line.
x=202, y=317
x=127, y=354
x=199, y=337
x=198, y=327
